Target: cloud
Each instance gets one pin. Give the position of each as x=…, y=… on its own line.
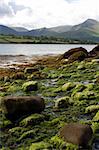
x=47, y=13
x=5, y=10
x=16, y=7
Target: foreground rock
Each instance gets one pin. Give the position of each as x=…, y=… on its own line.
x=67, y=54
x=30, y=86
x=94, y=52
x=76, y=134
x=16, y=107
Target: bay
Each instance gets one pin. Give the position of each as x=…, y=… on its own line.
x=39, y=49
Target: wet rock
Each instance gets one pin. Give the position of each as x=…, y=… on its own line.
x=97, y=80
x=63, y=102
x=84, y=95
x=33, y=119
x=96, y=117
x=73, y=51
x=68, y=86
x=16, y=107
x=76, y=133
x=30, y=86
x=30, y=70
x=94, y=52
x=40, y=145
x=92, y=108
x=2, y=89
x=81, y=67
x=95, y=145
x=18, y=75
x=79, y=88
x=77, y=56
x=95, y=127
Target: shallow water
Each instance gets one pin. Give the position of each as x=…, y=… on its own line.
x=39, y=49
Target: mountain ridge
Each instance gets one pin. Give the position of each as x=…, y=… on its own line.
x=87, y=30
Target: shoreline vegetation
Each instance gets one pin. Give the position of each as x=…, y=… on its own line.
x=12, y=39
x=51, y=102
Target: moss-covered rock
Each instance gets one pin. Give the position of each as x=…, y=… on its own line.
x=18, y=75
x=57, y=142
x=68, y=86
x=40, y=146
x=79, y=88
x=63, y=102
x=6, y=124
x=27, y=134
x=95, y=127
x=30, y=70
x=81, y=67
x=96, y=117
x=32, y=120
x=77, y=56
x=30, y=86
x=92, y=108
x=85, y=95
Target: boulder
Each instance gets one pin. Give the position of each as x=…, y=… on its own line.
x=16, y=107
x=94, y=52
x=67, y=54
x=76, y=133
x=77, y=56
x=30, y=86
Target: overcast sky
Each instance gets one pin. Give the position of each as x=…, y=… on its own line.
x=47, y=13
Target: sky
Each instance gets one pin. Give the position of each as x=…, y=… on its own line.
x=47, y=13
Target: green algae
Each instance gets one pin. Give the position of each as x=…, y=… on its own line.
x=32, y=120
x=92, y=108
x=36, y=130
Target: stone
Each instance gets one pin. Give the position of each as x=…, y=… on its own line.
x=16, y=107
x=77, y=56
x=33, y=119
x=30, y=86
x=30, y=70
x=68, y=86
x=94, y=52
x=76, y=133
x=18, y=75
x=92, y=108
x=73, y=51
x=96, y=117
x=63, y=102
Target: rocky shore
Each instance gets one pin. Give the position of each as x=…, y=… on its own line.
x=50, y=102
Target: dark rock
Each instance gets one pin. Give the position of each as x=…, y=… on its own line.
x=67, y=54
x=30, y=86
x=76, y=133
x=77, y=56
x=18, y=75
x=16, y=107
x=2, y=89
x=31, y=70
x=94, y=52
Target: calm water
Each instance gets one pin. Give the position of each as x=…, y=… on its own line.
x=38, y=49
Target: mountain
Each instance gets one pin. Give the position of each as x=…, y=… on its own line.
x=7, y=30
x=19, y=29
x=61, y=29
x=42, y=32
x=88, y=30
